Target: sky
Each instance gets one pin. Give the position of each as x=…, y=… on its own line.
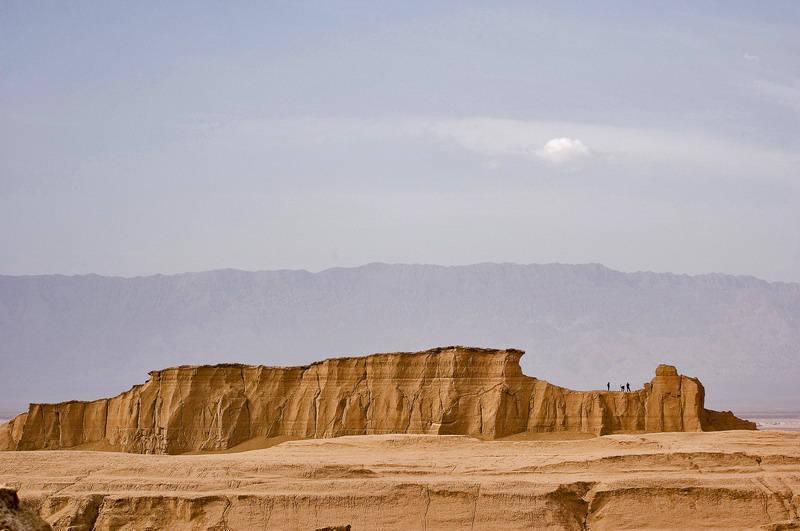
x=143, y=137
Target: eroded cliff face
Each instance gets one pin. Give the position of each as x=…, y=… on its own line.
x=450, y=390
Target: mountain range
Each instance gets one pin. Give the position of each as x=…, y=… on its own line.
x=582, y=326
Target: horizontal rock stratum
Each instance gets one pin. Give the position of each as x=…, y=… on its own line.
x=720, y=480
x=443, y=391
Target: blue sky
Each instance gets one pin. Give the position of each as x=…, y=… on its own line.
x=138, y=138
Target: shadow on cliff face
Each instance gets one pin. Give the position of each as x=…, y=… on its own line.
x=15, y=517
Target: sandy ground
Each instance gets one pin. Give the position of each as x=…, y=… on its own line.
x=731, y=479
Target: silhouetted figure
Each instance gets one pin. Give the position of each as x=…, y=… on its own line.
x=608, y=385
x=628, y=387
x=622, y=388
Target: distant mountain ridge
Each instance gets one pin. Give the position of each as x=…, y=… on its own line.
x=65, y=337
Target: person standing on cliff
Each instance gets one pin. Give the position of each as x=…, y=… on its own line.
x=628, y=387
x=608, y=386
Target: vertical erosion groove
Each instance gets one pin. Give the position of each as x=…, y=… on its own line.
x=448, y=390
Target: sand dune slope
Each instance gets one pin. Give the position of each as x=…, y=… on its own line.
x=735, y=479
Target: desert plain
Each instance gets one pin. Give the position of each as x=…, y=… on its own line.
x=449, y=438
x=728, y=479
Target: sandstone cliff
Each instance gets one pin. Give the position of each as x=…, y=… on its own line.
x=450, y=390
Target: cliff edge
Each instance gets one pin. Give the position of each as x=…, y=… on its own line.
x=448, y=391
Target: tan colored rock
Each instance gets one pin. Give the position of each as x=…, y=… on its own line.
x=14, y=517
x=719, y=480
x=666, y=370
x=674, y=402
x=724, y=420
x=446, y=391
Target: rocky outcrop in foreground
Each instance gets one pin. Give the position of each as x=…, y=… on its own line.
x=445, y=391
x=13, y=517
x=721, y=480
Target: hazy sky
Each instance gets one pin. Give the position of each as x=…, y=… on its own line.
x=139, y=137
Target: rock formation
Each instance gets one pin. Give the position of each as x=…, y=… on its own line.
x=13, y=517
x=721, y=480
x=450, y=390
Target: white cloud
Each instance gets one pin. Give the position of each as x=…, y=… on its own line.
x=632, y=147
x=500, y=140
x=563, y=150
